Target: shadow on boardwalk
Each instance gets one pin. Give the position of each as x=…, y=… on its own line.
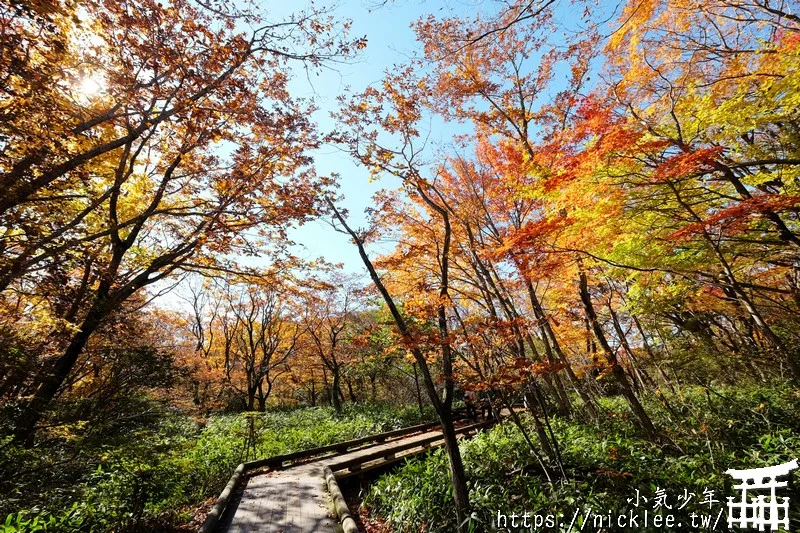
x=285, y=501
x=296, y=499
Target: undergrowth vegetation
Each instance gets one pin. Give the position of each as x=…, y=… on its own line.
x=151, y=475
x=605, y=466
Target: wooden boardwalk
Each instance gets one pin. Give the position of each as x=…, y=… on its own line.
x=296, y=499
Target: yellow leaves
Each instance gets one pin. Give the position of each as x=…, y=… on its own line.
x=632, y=19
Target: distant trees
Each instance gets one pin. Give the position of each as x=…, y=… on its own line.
x=329, y=310
x=112, y=161
x=317, y=342
x=247, y=335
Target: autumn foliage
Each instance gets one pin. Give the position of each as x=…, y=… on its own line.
x=576, y=207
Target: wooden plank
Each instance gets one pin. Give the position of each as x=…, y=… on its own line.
x=277, y=461
x=351, y=460
x=296, y=500
x=397, y=457
x=210, y=523
x=286, y=501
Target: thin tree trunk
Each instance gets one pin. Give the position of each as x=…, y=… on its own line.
x=458, y=476
x=551, y=343
x=651, y=355
x=443, y=407
x=775, y=342
x=544, y=440
x=640, y=373
x=26, y=424
x=419, y=393
x=328, y=389
x=336, y=391
x=353, y=397
x=616, y=369
x=251, y=397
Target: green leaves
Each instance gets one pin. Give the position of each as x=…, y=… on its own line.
x=605, y=463
x=150, y=477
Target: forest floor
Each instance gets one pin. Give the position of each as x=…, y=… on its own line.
x=164, y=471
x=607, y=465
x=160, y=473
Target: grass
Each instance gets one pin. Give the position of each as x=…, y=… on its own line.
x=153, y=476
x=605, y=465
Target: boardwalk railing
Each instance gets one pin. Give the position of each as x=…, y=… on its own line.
x=354, y=463
x=279, y=461
x=386, y=456
x=282, y=461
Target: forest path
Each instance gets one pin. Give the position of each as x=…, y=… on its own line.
x=296, y=499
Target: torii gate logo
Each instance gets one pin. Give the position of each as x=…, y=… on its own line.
x=760, y=510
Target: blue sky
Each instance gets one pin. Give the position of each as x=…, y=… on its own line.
x=390, y=42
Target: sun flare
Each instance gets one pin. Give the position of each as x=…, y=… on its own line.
x=91, y=87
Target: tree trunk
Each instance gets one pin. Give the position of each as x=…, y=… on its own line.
x=419, y=393
x=336, y=391
x=616, y=370
x=26, y=424
x=262, y=395
x=328, y=389
x=457, y=475
x=442, y=406
x=553, y=346
x=544, y=440
x=251, y=397
x=638, y=371
x=651, y=355
x=353, y=397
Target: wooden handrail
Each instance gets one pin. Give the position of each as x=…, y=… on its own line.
x=211, y=521
x=278, y=460
x=380, y=454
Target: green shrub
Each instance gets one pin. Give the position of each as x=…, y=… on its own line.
x=148, y=476
x=605, y=463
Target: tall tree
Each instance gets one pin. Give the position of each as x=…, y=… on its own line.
x=179, y=145
x=397, y=115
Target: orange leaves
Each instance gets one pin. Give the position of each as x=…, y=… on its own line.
x=688, y=164
x=788, y=40
x=191, y=153
x=733, y=219
x=593, y=116
x=565, y=160
x=634, y=16
x=534, y=235
x=504, y=157
x=493, y=72
x=518, y=372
